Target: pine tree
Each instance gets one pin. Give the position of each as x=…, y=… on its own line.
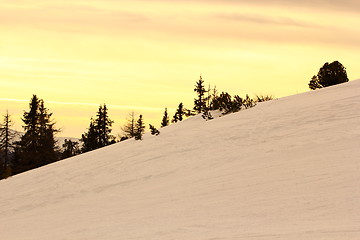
x=154, y=131
x=248, y=102
x=6, y=144
x=46, y=132
x=214, y=103
x=37, y=146
x=139, y=128
x=180, y=112
x=103, y=127
x=165, y=121
x=99, y=132
x=70, y=148
x=200, y=101
x=90, y=138
x=206, y=114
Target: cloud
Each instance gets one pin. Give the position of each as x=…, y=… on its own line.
x=262, y=19
x=346, y=5
x=71, y=18
x=87, y=104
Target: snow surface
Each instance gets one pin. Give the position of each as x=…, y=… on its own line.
x=288, y=169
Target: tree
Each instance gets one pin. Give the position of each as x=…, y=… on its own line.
x=154, y=131
x=37, y=146
x=129, y=127
x=6, y=144
x=206, y=114
x=200, y=101
x=248, y=102
x=99, y=131
x=314, y=83
x=90, y=139
x=264, y=98
x=70, y=148
x=214, y=103
x=180, y=112
x=103, y=127
x=328, y=75
x=165, y=121
x=139, y=128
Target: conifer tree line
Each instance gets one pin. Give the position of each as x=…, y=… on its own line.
x=38, y=147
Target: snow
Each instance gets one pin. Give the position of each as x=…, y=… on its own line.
x=287, y=169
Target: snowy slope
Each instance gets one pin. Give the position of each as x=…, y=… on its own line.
x=288, y=169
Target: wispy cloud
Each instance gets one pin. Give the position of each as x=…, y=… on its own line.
x=89, y=104
x=344, y=5
x=263, y=19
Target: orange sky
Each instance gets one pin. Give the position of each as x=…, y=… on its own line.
x=146, y=55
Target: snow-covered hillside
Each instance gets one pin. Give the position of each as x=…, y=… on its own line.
x=288, y=169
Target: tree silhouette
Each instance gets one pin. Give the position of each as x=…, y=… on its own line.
x=37, y=146
x=139, y=128
x=154, y=131
x=99, y=132
x=165, y=120
x=200, y=101
x=180, y=112
x=70, y=148
x=328, y=75
x=6, y=144
x=129, y=127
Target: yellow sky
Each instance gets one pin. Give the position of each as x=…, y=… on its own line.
x=146, y=55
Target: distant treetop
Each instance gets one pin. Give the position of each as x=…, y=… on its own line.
x=330, y=74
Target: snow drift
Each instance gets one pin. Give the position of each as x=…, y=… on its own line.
x=288, y=169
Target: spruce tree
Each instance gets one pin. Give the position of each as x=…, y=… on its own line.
x=200, y=101
x=90, y=138
x=6, y=144
x=103, y=127
x=214, y=103
x=70, y=148
x=139, y=128
x=154, y=131
x=99, y=132
x=206, y=114
x=165, y=120
x=248, y=102
x=37, y=146
x=180, y=112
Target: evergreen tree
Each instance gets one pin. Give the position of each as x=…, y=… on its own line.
x=165, y=121
x=90, y=138
x=6, y=144
x=328, y=75
x=200, y=101
x=154, y=131
x=180, y=112
x=206, y=114
x=314, y=83
x=70, y=148
x=99, y=131
x=37, y=146
x=129, y=128
x=139, y=128
x=214, y=102
x=248, y=102
x=46, y=132
x=103, y=127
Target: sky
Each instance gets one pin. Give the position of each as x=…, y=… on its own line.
x=143, y=56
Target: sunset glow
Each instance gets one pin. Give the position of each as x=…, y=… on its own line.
x=144, y=56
